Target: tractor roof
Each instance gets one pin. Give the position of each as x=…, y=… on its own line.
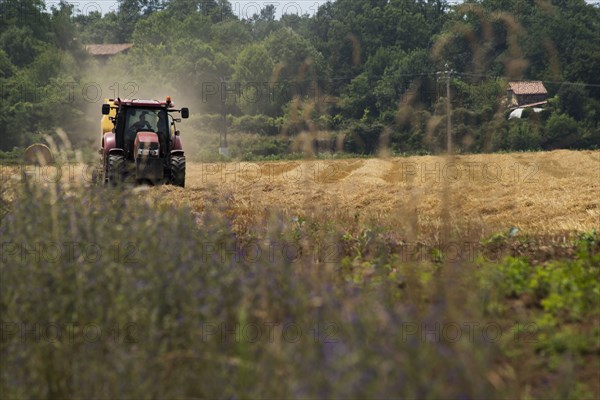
x=143, y=103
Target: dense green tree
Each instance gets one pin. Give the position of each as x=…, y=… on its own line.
x=572, y=100
x=561, y=131
x=130, y=11
x=95, y=28
x=20, y=45
x=377, y=60
x=252, y=72
x=299, y=67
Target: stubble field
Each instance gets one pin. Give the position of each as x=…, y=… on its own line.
x=540, y=193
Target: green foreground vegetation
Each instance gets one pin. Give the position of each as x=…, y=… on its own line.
x=104, y=294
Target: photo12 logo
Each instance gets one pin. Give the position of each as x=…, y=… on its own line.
x=269, y=251
x=269, y=332
x=55, y=172
x=68, y=252
x=263, y=92
x=453, y=172
x=66, y=332
x=71, y=92
x=217, y=10
x=290, y=172
x=471, y=331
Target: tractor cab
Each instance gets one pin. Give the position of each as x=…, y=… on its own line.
x=145, y=120
x=143, y=138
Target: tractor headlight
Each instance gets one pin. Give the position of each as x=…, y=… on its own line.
x=147, y=152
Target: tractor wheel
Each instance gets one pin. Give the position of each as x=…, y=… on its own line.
x=177, y=171
x=115, y=169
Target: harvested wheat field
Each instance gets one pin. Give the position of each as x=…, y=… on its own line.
x=544, y=192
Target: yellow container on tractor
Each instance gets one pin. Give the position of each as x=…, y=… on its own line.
x=140, y=142
x=106, y=124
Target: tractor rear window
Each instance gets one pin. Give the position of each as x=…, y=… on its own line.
x=141, y=119
x=147, y=119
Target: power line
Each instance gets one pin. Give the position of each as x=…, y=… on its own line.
x=374, y=78
x=527, y=80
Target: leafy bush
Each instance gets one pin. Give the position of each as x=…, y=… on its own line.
x=265, y=147
x=12, y=157
x=260, y=124
x=363, y=138
x=516, y=274
x=561, y=131
x=523, y=136
x=569, y=289
x=206, y=122
x=572, y=100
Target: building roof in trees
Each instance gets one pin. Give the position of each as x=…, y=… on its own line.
x=527, y=87
x=107, y=49
x=538, y=104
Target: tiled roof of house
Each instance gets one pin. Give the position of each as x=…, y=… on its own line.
x=529, y=87
x=107, y=49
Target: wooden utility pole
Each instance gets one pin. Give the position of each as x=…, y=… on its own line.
x=223, y=149
x=448, y=72
x=449, y=109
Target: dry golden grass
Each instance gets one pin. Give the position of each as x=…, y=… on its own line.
x=540, y=193
x=471, y=195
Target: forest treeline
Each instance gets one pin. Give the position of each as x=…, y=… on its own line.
x=366, y=70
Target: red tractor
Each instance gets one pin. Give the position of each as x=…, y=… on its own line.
x=140, y=142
